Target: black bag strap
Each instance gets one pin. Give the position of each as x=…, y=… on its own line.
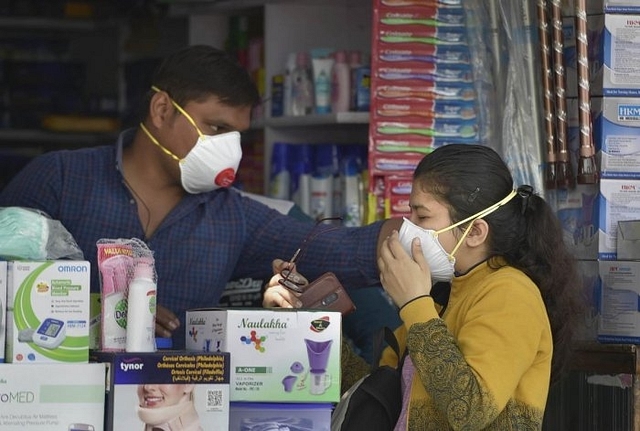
x=385, y=334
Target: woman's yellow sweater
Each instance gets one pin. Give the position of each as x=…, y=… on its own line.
x=485, y=364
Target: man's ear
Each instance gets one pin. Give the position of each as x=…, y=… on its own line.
x=160, y=108
x=478, y=234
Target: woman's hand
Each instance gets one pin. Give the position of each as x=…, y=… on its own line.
x=403, y=277
x=275, y=294
x=166, y=322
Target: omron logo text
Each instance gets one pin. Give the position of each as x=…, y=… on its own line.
x=72, y=268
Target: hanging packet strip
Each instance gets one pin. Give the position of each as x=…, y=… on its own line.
x=116, y=262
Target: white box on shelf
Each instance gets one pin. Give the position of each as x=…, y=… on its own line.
x=48, y=311
x=280, y=355
x=621, y=74
x=619, y=313
x=616, y=133
x=619, y=200
x=52, y=397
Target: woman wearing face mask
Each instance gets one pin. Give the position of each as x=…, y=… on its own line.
x=168, y=408
x=487, y=359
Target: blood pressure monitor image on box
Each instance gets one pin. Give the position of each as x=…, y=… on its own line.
x=50, y=333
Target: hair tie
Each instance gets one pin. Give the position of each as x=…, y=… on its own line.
x=525, y=192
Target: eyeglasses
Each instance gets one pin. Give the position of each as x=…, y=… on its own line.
x=291, y=279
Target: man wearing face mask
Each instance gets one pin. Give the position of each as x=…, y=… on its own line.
x=166, y=182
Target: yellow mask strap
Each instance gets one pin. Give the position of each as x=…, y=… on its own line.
x=155, y=141
x=476, y=216
x=182, y=111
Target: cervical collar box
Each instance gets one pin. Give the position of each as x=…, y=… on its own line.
x=3, y=307
x=167, y=390
x=280, y=355
x=48, y=311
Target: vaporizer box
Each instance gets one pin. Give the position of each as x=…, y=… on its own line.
x=620, y=314
x=280, y=416
x=52, y=397
x=276, y=355
x=48, y=311
x=621, y=74
x=618, y=200
x=170, y=389
x=616, y=133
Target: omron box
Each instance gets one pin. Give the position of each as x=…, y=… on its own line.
x=48, y=311
x=276, y=355
x=52, y=397
x=167, y=390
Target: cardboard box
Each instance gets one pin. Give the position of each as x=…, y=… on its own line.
x=616, y=133
x=279, y=355
x=149, y=388
x=280, y=416
x=48, y=318
x=620, y=314
x=621, y=74
x=619, y=200
x=52, y=397
x=3, y=307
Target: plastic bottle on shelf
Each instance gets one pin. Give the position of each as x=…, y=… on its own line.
x=280, y=178
x=340, y=83
x=288, y=84
x=141, y=313
x=355, y=61
x=302, y=86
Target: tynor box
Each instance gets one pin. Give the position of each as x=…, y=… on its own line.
x=166, y=390
x=48, y=311
x=621, y=74
x=616, y=133
x=3, y=307
x=280, y=416
x=619, y=200
x=276, y=355
x=619, y=314
x=52, y=397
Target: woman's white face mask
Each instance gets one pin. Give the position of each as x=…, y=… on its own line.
x=212, y=162
x=441, y=263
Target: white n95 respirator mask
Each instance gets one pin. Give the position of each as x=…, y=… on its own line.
x=441, y=263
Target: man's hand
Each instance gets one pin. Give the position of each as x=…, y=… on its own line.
x=166, y=322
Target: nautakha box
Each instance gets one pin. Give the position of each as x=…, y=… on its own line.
x=166, y=390
x=276, y=355
x=48, y=311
